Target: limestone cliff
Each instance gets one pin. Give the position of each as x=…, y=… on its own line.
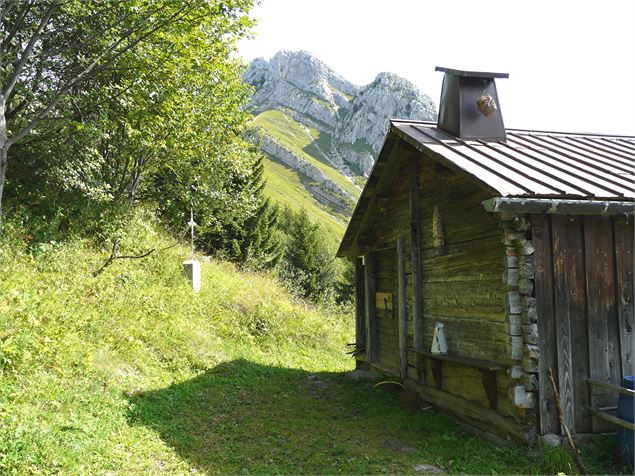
x=323, y=120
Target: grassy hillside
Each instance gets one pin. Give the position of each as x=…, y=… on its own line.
x=78, y=354
x=305, y=142
x=285, y=187
x=288, y=187
x=130, y=372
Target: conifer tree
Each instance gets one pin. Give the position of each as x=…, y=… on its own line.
x=260, y=245
x=307, y=259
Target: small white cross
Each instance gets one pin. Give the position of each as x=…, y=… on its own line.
x=192, y=224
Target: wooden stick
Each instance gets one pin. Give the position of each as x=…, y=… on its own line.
x=574, y=449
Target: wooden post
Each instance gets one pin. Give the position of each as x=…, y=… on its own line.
x=415, y=245
x=623, y=235
x=360, y=315
x=402, y=299
x=372, y=351
x=568, y=267
x=545, y=310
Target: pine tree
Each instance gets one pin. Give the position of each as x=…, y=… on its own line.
x=307, y=259
x=260, y=246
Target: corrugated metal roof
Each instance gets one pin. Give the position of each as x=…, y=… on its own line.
x=536, y=164
x=529, y=164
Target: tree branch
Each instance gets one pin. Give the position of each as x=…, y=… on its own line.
x=6, y=10
x=27, y=51
x=14, y=30
x=85, y=73
x=113, y=256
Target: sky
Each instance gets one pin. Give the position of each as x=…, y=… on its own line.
x=571, y=64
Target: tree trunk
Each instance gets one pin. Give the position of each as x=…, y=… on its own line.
x=4, y=153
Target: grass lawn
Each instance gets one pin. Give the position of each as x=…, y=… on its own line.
x=130, y=373
x=248, y=417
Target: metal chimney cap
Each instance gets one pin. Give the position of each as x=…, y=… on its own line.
x=471, y=74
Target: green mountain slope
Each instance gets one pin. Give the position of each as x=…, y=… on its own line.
x=290, y=186
x=306, y=142
x=285, y=187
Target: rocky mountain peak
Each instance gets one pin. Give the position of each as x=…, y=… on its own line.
x=307, y=111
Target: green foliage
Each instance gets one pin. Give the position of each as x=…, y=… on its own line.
x=345, y=283
x=122, y=101
x=308, y=263
x=260, y=246
x=247, y=232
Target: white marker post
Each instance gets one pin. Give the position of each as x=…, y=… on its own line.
x=192, y=267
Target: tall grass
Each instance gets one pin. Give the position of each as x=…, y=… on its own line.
x=73, y=347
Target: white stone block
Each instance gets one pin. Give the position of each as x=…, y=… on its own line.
x=516, y=347
x=192, y=269
x=521, y=397
x=516, y=371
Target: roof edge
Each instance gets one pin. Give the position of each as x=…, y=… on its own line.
x=556, y=206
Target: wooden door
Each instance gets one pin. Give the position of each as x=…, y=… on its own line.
x=386, y=307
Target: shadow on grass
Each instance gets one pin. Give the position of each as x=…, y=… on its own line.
x=243, y=417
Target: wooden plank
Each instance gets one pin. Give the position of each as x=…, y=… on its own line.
x=360, y=315
x=415, y=249
x=475, y=413
x=603, y=339
x=372, y=338
x=611, y=387
x=612, y=419
x=402, y=299
x=384, y=305
x=461, y=360
x=591, y=352
x=568, y=266
x=541, y=235
x=623, y=235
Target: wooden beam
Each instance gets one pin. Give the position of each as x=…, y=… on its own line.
x=372, y=336
x=613, y=388
x=415, y=251
x=402, y=300
x=545, y=312
x=612, y=419
x=360, y=315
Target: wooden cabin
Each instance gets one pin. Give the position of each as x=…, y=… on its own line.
x=520, y=243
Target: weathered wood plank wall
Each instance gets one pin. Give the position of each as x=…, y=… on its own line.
x=372, y=340
x=360, y=314
x=586, y=296
x=462, y=287
x=624, y=246
x=387, y=322
x=402, y=300
x=545, y=311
